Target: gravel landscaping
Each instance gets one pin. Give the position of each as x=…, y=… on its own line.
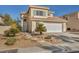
x=48, y=38
x=54, y=43
x=22, y=41
x=25, y=40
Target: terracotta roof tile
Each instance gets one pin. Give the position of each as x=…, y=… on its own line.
x=52, y=19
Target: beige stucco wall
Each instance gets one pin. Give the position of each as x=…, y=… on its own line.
x=33, y=26
x=29, y=26
x=73, y=24
x=78, y=15
x=1, y=20
x=64, y=27
x=4, y=28
x=73, y=20
x=22, y=24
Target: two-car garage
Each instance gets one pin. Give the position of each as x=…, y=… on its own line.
x=53, y=24
x=54, y=27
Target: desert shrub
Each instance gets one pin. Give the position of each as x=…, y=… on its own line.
x=40, y=28
x=18, y=27
x=10, y=41
x=48, y=37
x=6, y=33
x=14, y=30
x=11, y=32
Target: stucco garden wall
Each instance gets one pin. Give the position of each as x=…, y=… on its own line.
x=4, y=28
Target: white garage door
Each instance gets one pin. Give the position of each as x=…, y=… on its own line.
x=53, y=27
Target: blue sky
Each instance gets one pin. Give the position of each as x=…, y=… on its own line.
x=15, y=10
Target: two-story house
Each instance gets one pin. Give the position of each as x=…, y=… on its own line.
x=36, y=14
x=73, y=21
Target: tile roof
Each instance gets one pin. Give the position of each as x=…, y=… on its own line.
x=41, y=7
x=50, y=19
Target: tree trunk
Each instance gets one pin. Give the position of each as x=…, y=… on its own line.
x=41, y=33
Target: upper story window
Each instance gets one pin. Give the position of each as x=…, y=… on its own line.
x=39, y=13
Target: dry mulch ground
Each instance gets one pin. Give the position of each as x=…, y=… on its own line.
x=52, y=40
x=23, y=42
x=20, y=43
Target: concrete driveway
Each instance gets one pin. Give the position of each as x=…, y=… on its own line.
x=71, y=41
x=67, y=37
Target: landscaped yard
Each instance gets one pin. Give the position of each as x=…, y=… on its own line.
x=14, y=38
x=49, y=39
x=24, y=40
x=20, y=43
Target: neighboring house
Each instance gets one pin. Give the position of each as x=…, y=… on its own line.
x=36, y=14
x=73, y=21
x=3, y=27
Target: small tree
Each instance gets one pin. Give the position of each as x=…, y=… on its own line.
x=7, y=19
x=40, y=28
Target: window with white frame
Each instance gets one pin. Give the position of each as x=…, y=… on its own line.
x=39, y=13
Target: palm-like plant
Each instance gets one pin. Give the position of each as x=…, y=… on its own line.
x=41, y=28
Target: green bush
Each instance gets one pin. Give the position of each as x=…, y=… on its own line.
x=10, y=41
x=14, y=31
x=6, y=33
x=40, y=28
x=11, y=32
x=18, y=27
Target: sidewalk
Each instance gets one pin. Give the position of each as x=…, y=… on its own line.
x=33, y=50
